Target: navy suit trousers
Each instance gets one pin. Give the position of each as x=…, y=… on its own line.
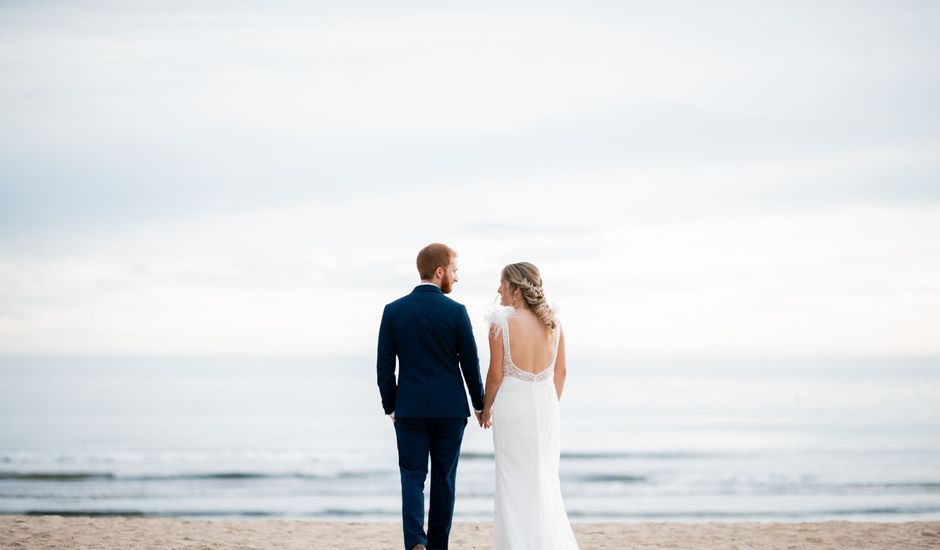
x=418, y=440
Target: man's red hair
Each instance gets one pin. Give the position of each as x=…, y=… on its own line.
x=433, y=256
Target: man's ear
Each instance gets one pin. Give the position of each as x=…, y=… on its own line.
x=439, y=273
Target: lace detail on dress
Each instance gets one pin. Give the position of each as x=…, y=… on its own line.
x=509, y=369
x=498, y=317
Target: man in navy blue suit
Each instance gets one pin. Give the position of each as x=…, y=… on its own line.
x=432, y=338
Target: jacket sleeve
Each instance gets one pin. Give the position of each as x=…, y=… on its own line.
x=470, y=360
x=385, y=365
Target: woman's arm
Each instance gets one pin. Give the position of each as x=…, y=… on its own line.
x=494, y=376
x=561, y=367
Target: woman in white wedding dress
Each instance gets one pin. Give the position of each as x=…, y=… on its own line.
x=523, y=386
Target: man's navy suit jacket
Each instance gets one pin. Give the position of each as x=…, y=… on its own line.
x=432, y=338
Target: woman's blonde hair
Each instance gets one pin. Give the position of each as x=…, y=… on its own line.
x=526, y=277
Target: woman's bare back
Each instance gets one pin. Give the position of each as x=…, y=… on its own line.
x=531, y=345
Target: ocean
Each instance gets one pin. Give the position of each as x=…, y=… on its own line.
x=643, y=439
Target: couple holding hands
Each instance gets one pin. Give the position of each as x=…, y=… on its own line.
x=430, y=337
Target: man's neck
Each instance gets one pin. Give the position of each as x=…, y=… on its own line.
x=431, y=283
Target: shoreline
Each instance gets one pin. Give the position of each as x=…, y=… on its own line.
x=21, y=531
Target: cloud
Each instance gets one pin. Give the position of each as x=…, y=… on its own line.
x=312, y=278
x=258, y=177
x=114, y=113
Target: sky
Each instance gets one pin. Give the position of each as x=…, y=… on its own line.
x=240, y=177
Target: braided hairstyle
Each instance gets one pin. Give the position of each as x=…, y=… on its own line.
x=526, y=277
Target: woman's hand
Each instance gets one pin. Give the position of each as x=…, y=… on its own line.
x=487, y=417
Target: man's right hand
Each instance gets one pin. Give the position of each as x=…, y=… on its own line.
x=479, y=415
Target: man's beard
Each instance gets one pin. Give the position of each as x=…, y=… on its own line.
x=447, y=285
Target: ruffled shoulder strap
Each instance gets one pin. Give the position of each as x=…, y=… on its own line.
x=498, y=316
x=497, y=319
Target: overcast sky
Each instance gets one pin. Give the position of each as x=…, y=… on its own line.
x=236, y=177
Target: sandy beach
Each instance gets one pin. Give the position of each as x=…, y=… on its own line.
x=122, y=532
